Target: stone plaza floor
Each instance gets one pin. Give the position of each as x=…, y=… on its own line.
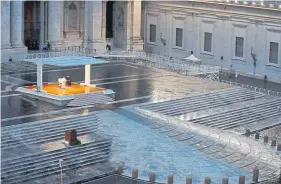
x=161, y=122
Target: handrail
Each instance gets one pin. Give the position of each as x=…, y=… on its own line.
x=136, y=57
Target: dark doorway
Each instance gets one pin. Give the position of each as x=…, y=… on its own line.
x=109, y=19
x=31, y=25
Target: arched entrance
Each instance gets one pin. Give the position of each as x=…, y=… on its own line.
x=31, y=24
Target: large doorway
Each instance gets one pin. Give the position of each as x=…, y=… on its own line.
x=109, y=19
x=31, y=24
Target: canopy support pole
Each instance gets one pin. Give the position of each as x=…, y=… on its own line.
x=39, y=76
x=88, y=75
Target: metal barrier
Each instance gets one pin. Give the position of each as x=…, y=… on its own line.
x=252, y=88
x=207, y=180
x=136, y=57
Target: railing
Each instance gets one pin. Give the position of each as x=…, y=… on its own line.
x=137, y=57
x=207, y=180
x=256, y=89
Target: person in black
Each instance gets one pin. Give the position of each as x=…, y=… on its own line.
x=108, y=47
x=48, y=46
x=68, y=82
x=10, y=60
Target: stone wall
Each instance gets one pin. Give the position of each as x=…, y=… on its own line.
x=258, y=27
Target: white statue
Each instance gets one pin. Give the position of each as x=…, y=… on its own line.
x=62, y=83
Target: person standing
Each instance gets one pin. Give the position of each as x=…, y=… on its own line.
x=236, y=75
x=68, y=82
x=48, y=46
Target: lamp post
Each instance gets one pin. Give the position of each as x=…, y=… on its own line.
x=60, y=164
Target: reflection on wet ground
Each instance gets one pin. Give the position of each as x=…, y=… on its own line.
x=132, y=85
x=12, y=106
x=4, y=85
x=77, y=73
x=253, y=82
x=129, y=82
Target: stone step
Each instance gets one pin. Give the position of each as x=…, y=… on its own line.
x=46, y=163
x=236, y=115
x=222, y=109
x=149, y=104
x=175, y=108
x=203, y=101
x=47, y=160
x=39, y=126
x=243, y=118
x=237, y=111
x=217, y=94
x=248, y=122
x=45, y=139
x=89, y=99
x=212, y=103
x=41, y=174
x=97, y=140
x=184, y=100
x=50, y=130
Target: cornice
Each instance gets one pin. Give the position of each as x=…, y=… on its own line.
x=225, y=14
x=252, y=4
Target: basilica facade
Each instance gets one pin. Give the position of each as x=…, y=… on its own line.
x=240, y=35
x=31, y=25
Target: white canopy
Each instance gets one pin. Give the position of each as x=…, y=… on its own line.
x=192, y=58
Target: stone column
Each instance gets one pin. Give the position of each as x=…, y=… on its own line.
x=16, y=24
x=46, y=22
x=103, y=35
x=61, y=20
x=96, y=21
x=133, y=22
x=129, y=35
x=54, y=13
x=42, y=24
x=5, y=25
x=137, y=39
x=34, y=14
x=86, y=22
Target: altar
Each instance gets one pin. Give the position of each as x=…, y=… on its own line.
x=64, y=90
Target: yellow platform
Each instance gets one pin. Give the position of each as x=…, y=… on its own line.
x=69, y=90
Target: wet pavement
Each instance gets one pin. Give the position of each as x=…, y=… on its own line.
x=128, y=81
x=103, y=71
x=253, y=82
x=4, y=85
x=132, y=84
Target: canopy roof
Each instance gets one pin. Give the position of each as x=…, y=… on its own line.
x=192, y=58
x=67, y=60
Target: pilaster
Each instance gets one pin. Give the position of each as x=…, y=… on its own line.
x=54, y=23
x=104, y=3
x=85, y=35
x=16, y=24
x=42, y=24
x=5, y=25
x=133, y=24
x=97, y=21
x=129, y=26
x=137, y=39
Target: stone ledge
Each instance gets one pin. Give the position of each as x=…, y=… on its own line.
x=57, y=100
